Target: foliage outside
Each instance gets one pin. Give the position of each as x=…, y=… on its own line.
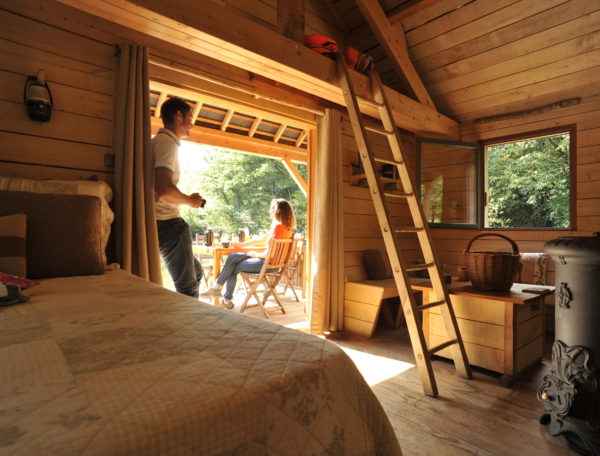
x=238, y=189
x=529, y=183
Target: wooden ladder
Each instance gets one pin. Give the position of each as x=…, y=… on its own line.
x=420, y=228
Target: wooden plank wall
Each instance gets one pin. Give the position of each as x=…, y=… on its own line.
x=450, y=243
x=361, y=229
x=317, y=15
x=80, y=72
x=481, y=58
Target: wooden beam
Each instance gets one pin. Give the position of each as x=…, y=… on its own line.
x=254, y=126
x=301, y=138
x=298, y=178
x=226, y=120
x=216, y=137
x=225, y=104
x=290, y=19
x=206, y=28
x=161, y=99
x=393, y=41
x=196, y=112
x=279, y=133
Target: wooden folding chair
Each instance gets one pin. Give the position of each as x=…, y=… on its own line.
x=291, y=275
x=276, y=262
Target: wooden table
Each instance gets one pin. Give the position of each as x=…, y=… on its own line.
x=219, y=252
x=502, y=332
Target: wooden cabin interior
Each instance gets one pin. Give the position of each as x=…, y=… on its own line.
x=111, y=363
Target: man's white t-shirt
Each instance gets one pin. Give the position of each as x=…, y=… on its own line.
x=164, y=150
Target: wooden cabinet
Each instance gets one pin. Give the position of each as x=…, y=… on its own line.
x=502, y=332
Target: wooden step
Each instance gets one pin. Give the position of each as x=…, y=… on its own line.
x=420, y=267
x=440, y=347
x=388, y=161
x=430, y=305
x=378, y=130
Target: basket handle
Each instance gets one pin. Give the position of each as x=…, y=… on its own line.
x=515, y=247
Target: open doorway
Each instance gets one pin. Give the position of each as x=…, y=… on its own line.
x=239, y=164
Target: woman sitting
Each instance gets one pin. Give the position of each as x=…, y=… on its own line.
x=282, y=227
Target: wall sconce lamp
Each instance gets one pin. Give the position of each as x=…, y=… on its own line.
x=38, y=98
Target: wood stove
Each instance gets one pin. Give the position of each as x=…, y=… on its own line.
x=571, y=391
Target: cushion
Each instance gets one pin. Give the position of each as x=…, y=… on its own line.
x=69, y=187
x=63, y=238
x=12, y=244
x=375, y=265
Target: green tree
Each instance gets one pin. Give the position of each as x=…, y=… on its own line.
x=529, y=183
x=239, y=189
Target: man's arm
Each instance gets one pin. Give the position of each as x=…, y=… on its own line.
x=168, y=192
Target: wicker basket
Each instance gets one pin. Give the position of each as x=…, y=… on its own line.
x=492, y=271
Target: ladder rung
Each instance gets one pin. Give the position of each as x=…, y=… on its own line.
x=408, y=229
x=388, y=162
x=381, y=131
x=398, y=195
x=439, y=347
x=419, y=267
x=430, y=305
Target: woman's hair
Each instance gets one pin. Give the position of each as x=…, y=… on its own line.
x=281, y=210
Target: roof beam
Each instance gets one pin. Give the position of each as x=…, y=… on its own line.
x=296, y=176
x=216, y=137
x=219, y=33
x=393, y=41
x=290, y=19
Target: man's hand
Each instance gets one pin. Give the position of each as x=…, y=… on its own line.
x=196, y=201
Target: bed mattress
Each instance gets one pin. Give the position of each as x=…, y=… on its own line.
x=113, y=365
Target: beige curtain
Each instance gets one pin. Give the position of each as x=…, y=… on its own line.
x=327, y=252
x=135, y=227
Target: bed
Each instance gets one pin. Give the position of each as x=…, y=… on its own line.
x=113, y=365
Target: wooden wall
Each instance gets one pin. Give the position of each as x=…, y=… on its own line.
x=361, y=229
x=80, y=69
x=450, y=243
x=318, y=17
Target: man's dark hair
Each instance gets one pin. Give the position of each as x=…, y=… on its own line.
x=171, y=107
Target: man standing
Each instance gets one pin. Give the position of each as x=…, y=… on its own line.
x=174, y=235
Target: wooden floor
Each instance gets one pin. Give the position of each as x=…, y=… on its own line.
x=471, y=417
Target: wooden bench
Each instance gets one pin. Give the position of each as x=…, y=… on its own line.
x=363, y=304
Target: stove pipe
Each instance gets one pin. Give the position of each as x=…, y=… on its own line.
x=571, y=391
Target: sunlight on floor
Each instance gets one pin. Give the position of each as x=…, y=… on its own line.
x=376, y=369
x=299, y=325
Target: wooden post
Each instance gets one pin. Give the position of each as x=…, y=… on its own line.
x=290, y=19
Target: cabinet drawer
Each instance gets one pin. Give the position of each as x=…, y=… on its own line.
x=529, y=330
x=475, y=332
x=486, y=357
x=472, y=308
x=528, y=311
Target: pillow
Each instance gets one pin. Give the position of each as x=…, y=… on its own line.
x=63, y=238
x=12, y=244
x=375, y=265
x=69, y=187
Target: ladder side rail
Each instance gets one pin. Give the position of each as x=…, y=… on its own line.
x=440, y=290
x=406, y=296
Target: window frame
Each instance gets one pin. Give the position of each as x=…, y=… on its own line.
x=477, y=150
x=572, y=130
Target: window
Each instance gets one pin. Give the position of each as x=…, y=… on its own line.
x=448, y=182
x=528, y=182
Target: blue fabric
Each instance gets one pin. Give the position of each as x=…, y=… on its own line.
x=236, y=263
x=175, y=242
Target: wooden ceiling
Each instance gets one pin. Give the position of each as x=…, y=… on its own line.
x=481, y=58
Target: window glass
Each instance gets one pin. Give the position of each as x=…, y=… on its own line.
x=527, y=183
x=448, y=183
